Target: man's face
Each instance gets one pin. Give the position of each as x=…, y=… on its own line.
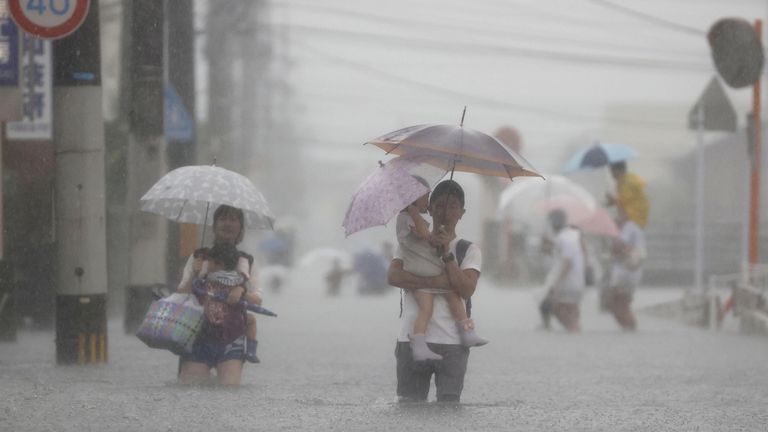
x=446, y=210
x=227, y=228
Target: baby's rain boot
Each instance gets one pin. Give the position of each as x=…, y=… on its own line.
x=421, y=351
x=250, y=350
x=467, y=333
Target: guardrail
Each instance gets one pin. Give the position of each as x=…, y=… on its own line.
x=744, y=294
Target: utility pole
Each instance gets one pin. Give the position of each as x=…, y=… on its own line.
x=146, y=142
x=757, y=137
x=180, y=43
x=81, y=281
x=220, y=23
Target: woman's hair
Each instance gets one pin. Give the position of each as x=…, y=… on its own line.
x=225, y=210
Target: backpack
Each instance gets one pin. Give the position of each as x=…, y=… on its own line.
x=461, y=251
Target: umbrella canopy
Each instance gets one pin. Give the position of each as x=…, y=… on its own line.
x=518, y=199
x=325, y=257
x=385, y=192
x=599, y=155
x=191, y=194
x=457, y=148
x=594, y=221
x=527, y=201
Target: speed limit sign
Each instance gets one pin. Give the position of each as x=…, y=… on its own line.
x=49, y=19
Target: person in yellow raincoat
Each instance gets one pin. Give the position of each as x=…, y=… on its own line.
x=630, y=194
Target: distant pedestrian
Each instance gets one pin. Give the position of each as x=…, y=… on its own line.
x=565, y=280
x=630, y=194
x=626, y=272
x=335, y=277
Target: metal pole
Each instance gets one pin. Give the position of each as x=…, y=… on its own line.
x=698, y=268
x=754, y=212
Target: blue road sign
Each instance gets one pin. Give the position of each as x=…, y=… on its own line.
x=9, y=52
x=178, y=123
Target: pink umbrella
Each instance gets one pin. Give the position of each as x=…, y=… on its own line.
x=596, y=220
x=381, y=196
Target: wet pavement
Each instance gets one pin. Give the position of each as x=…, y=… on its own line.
x=328, y=364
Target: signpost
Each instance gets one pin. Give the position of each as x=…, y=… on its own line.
x=712, y=112
x=49, y=19
x=37, y=105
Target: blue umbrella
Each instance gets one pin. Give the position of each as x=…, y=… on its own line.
x=599, y=155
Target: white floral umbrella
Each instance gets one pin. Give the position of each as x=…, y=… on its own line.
x=191, y=194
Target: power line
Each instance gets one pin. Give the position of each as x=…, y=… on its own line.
x=470, y=48
x=421, y=24
x=650, y=18
x=485, y=101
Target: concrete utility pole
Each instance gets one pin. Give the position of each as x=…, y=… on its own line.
x=81, y=282
x=146, y=142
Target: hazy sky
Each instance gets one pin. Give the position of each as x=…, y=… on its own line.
x=563, y=72
x=548, y=67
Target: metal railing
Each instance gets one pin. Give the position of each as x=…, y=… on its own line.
x=742, y=291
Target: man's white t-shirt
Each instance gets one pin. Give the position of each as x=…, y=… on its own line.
x=567, y=247
x=624, y=275
x=441, y=328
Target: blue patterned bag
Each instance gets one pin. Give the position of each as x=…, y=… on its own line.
x=172, y=323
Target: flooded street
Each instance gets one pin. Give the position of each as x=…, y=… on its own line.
x=328, y=364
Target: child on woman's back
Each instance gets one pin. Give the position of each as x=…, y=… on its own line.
x=414, y=239
x=225, y=266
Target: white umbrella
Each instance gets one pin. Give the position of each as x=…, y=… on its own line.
x=325, y=257
x=521, y=201
x=191, y=194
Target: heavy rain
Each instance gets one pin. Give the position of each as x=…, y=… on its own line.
x=433, y=215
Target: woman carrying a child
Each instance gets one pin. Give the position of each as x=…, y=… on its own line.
x=222, y=343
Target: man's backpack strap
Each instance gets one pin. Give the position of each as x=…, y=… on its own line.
x=461, y=251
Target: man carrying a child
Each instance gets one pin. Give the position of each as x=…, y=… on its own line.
x=462, y=262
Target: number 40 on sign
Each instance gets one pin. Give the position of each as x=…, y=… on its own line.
x=49, y=19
